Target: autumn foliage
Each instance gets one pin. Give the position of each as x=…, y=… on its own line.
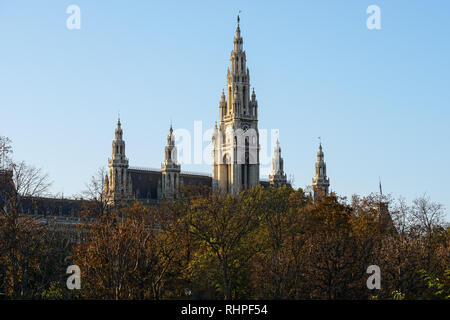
x=263, y=244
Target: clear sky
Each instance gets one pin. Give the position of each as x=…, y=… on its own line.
x=378, y=98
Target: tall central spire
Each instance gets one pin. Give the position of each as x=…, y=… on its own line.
x=238, y=81
x=236, y=160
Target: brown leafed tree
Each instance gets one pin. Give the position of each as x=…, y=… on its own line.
x=25, y=254
x=222, y=223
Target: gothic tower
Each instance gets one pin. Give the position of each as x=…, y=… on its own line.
x=278, y=178
x=320, y=181
x=170, y=169
x=118, y=184
x=235, y=143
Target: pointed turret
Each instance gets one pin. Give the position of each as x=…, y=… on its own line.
x=278, y=177
x=118, y=132
x=384, y=216
x=222, y=106
x=237, y=38
x=170, y=138
x=170, y=169
x=320, y=182
x=118, y=184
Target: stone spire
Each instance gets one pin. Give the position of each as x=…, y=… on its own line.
x=118, y=185
x=236, y=141
x=118, y=152
x=278, y=177
x=237, y=38
x=118, y=132
x=170, y=153
x=170, y=169
x=320, y=182
x=238, y=79
x=222, y=106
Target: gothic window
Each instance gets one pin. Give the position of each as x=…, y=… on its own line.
x=117, y=149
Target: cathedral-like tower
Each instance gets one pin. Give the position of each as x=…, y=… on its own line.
x=278, y=178
x=320, y=181
x=235, y=143
x=118, y=184
x=170, y=169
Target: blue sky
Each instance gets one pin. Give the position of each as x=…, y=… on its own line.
x=378, y=98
